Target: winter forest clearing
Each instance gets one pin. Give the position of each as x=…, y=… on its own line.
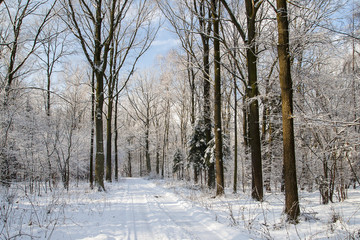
x=169, y=119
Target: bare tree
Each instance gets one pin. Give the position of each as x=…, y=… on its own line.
x=20, y=46
x=143, y=99
x=252, y=91
x=215, y=13
x=52, y=50
x=94, y=26
x=203, y=13
x=17, y=16
x=292, y=208
x=182, y=17
x=132, y=39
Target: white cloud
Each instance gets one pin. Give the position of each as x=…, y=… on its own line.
x=168, y=43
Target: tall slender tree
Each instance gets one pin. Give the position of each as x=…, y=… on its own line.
x=235, y=136
x=88, y=25
x=252, y=92
x=249, y=38
x=131, y=40
x=18, y=58
x=203, y=12
x=182, y=16
x=92, y=132
x=215, y=14
x=292, y=208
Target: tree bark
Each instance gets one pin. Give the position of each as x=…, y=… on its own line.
x=116, y=170
x=207, y=107
x=109, y=138
x=252, y=93
x=157, y=157
x=147, y=147
x=235, y=139
x=245, y=129
x=111, y=86
x=166, y=138
x=291, y=193
x=191, y=77
x=99, y=157
x=217, y=103
x=91, y=167
x=205, y=32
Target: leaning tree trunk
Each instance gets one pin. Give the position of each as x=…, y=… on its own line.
x=291, y=193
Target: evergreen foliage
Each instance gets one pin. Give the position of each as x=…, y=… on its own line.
x=210, y=150
x=197, y=145
x=178, y=163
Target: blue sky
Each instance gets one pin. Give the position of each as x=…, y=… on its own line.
x=164, y=41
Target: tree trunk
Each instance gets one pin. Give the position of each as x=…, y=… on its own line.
x=268, y=157
x=48, y=94
x=191, y=77
x=157, y=166
x=207, y=122
x=235, y=139
x=140, y=163
x=91, y=167
x=291, y=193
x=166, y=138
x=147, y=147
x=116, y=170
x=217, y=103
x=205, y=32
x=99, y=157
x=129, y=164
x=246, y=141
x=252, y=93
x=111, y=85
x=109, y=138
x=207, y=108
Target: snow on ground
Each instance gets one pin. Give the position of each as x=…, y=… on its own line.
x=265, y=220
x=136, y=208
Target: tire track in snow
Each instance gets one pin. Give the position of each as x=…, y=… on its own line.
x=139, y=228
x=167, y=226
x=186, y=227
x=184, y=218
x=138, y=209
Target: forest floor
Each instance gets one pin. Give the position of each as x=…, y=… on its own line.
x=135, y=208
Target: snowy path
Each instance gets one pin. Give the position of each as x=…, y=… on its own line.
x=139, y=209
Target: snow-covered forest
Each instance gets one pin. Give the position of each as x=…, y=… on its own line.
x=249, y=126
